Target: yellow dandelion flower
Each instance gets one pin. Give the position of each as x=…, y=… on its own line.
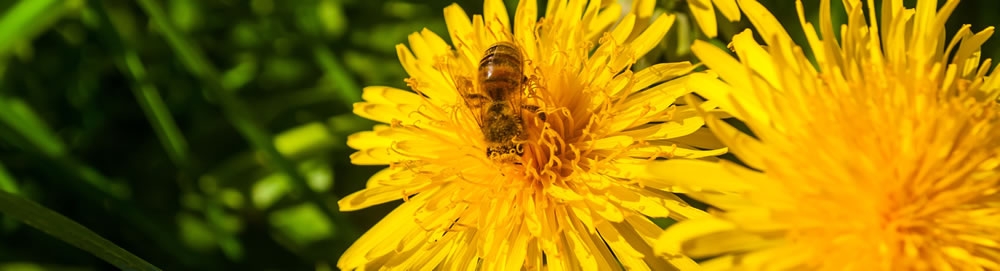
x=885, y=155
x=559, y=184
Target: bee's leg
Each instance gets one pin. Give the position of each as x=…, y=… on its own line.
x=490, y=152
x=535, y=109
x=476, y=100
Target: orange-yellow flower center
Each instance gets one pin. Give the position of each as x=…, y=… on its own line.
x=899, y=174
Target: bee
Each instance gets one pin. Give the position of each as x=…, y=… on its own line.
x=496, y=101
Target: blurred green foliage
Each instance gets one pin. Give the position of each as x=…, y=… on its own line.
x=210, y=134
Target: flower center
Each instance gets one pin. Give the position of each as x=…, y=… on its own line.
x=553, y=151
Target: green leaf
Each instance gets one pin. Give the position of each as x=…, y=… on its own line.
x=7, y=182
x=28, y=18
x=18, y=115
x=52, y=223
x=303, y=224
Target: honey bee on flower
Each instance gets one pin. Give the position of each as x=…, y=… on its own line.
x=527, y=143
x=496, y=100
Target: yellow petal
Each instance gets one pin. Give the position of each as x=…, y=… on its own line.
x=391, y=105
x=461, y=31
x=434, y=84
x=604, y=208
x=640, y=233
x=380, y=194
x=680, y=210
x=651, y=36
x=644, y=228
x=587, y=19
x=822, y=49
x=479, y=39
x=650, y=105
x=604, y=20
x=607, y=59
x=729, y=9
x=722, y=201
x=594, y=246
x=748, y=149
x=389, y=95
x=661, y=96
x=969, y=50
x=702, y=138
x=735, y=96
x=524, y=27
x=763, y=21
x=423, y=71
x=721, y=263
x=643, y=8
x=624, y=251
x=578, y=248
x=496, y=17
x=704, y=15
x=369, y=139
x=515, y=249
x=750, y=51
x=692, y=174
x=387, y=113
x=461, y=257
x=425, y=45
x=457, y=21
x=533, y=217
x=776, y=258
x=385, y=233
x=675, y=237
x=683, y=122
x=717, y=243
x=582, y=213
x=611, y=143
x=661, y=72
x=638, y=199
x=376, y=156
x=391, y=176
x=433, y=256
x=643, y=11
x=672, y=151
x=620, y=34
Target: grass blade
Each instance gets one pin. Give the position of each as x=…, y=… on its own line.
x=7, y=182
x=156, y=110
x=146, y=93
x=238, y=112
x=26, y=19
x=62, y=228
x=347, y=89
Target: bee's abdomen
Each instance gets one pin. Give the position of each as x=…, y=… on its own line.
x=500, y=71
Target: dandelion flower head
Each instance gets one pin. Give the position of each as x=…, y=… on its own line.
x=883, y=155
x=577, y=197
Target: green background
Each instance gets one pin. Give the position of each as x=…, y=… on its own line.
x=210, y=134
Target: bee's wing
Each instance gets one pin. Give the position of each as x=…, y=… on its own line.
x=463, y=75
x=517, y=99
